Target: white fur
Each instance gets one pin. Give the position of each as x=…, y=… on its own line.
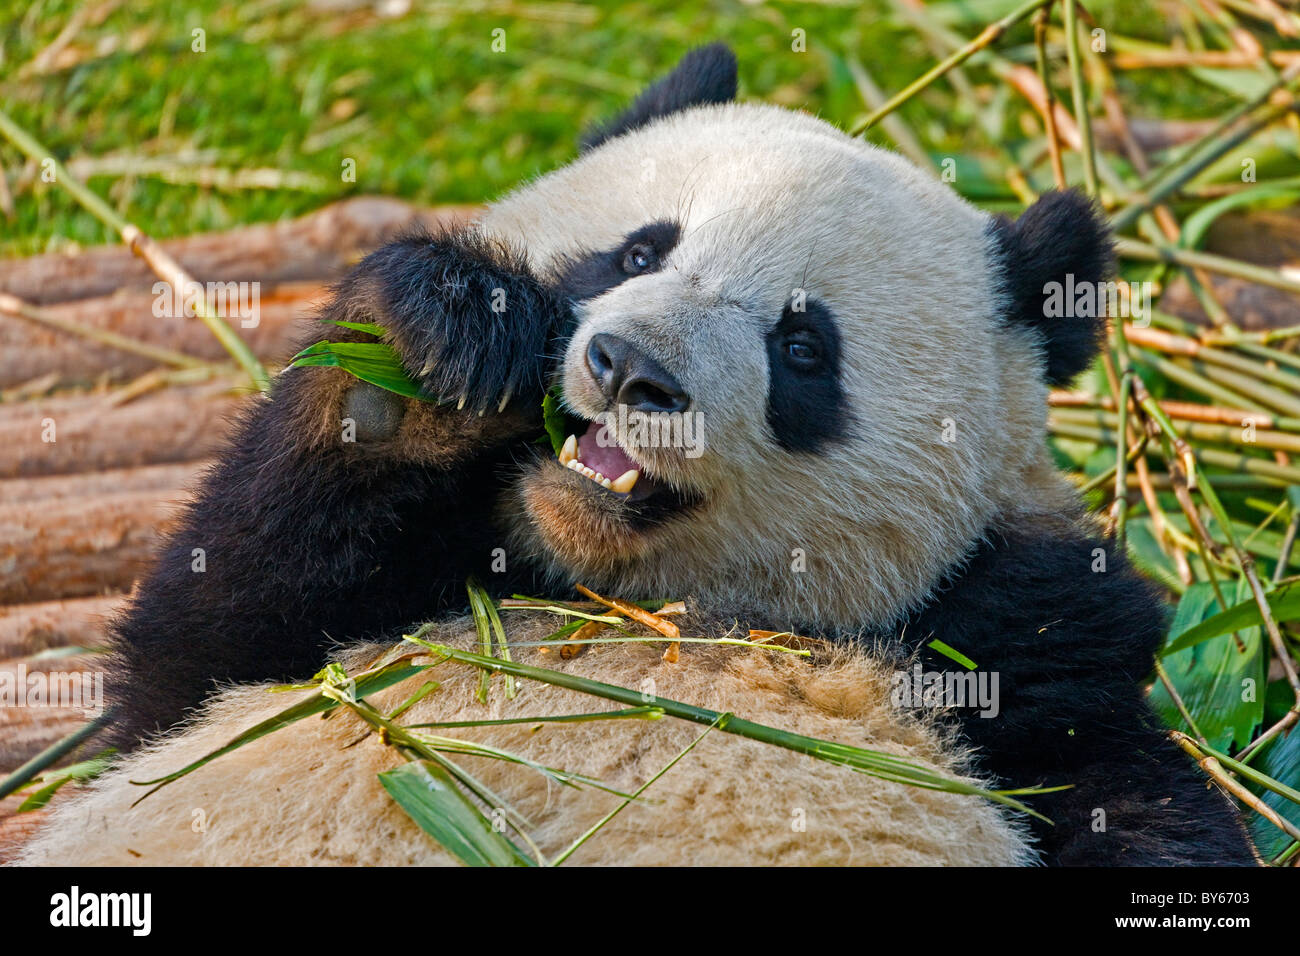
x=772, y=201
x=308, y=794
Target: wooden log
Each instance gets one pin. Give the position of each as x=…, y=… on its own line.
x=91, y=434
x=80, y=622
x=85, y=486
x=29, y=350
x=71, y=692
x=17, y=828
x=321, y=245
x=76, y=548
x=26, y=731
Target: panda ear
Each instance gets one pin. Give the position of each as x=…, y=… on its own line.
x=706, y=74
x=1062, y=238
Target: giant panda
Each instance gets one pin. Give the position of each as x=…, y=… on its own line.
x=866, y=358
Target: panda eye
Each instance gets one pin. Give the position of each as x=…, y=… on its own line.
x=801, y=350
x=639, y=258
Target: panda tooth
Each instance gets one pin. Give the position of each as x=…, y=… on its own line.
x=607, y=483
x=625, y=482
x=570, y=450
x=463, y=399
x=573, y=465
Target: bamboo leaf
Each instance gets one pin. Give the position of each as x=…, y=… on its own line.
x=1209, y=676
x=430, y=797
x=1284, y=604
x=367, y=683
x=860, y=759
x=81, y=772
x=373, y=362
x=553, y=418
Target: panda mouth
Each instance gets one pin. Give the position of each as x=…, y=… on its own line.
x=606, y=465
x=620, y=487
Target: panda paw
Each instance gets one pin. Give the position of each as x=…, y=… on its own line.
x=469, y=320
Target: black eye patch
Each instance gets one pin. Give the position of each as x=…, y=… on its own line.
x=640, y=253
x=805, y=403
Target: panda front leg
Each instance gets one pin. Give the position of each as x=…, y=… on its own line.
x=339, y=511
x=1066, y=650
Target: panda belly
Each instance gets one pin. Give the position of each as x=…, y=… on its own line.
x=308, y=794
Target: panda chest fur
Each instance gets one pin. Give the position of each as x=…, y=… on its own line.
x=728, y=801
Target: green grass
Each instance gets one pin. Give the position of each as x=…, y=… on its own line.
x=422, y=103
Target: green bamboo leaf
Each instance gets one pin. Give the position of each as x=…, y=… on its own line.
x=1209, y=677
x=81, y=772
x=859, y=759
x=1198, y=223
x=367, y=683
x=1284, y=604
x=431, y=798
x=373, y=362
x=627, y=713
x=951, y=652
x=370, y=328
x=553, y=418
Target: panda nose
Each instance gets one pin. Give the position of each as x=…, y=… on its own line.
x=627, y=376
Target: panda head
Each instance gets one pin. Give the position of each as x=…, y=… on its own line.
x=827, y=370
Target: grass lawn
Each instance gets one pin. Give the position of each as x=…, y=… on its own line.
x=261, y=123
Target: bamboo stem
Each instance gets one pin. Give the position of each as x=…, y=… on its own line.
x=1049, y=111
x=989, y=35
x=13, y=305
x=163, y=265
x=1191, y=258
x=1079, y=94
x=1220, y=776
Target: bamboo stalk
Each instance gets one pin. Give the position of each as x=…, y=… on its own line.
x=1220, y=776
x=1195, y=431
x=1168, y=182
x=863, y=761
x=1191, y=258
x=1183, y=411
x=987, y=37
x=1180, y=345
x=15, y=306
x=627, y=609
x=1049, y=105
x=163, y=265
x=1079, y=94
x=1242, y=464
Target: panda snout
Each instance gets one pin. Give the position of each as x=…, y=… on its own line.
x=628, y=376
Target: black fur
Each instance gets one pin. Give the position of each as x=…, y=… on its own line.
x=805, y=401
x=466, y=314
x=1071, y=647
x=301, y=548
x=706, y=74
x=586, y=276
x=306, y=541
x=1062, y=233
